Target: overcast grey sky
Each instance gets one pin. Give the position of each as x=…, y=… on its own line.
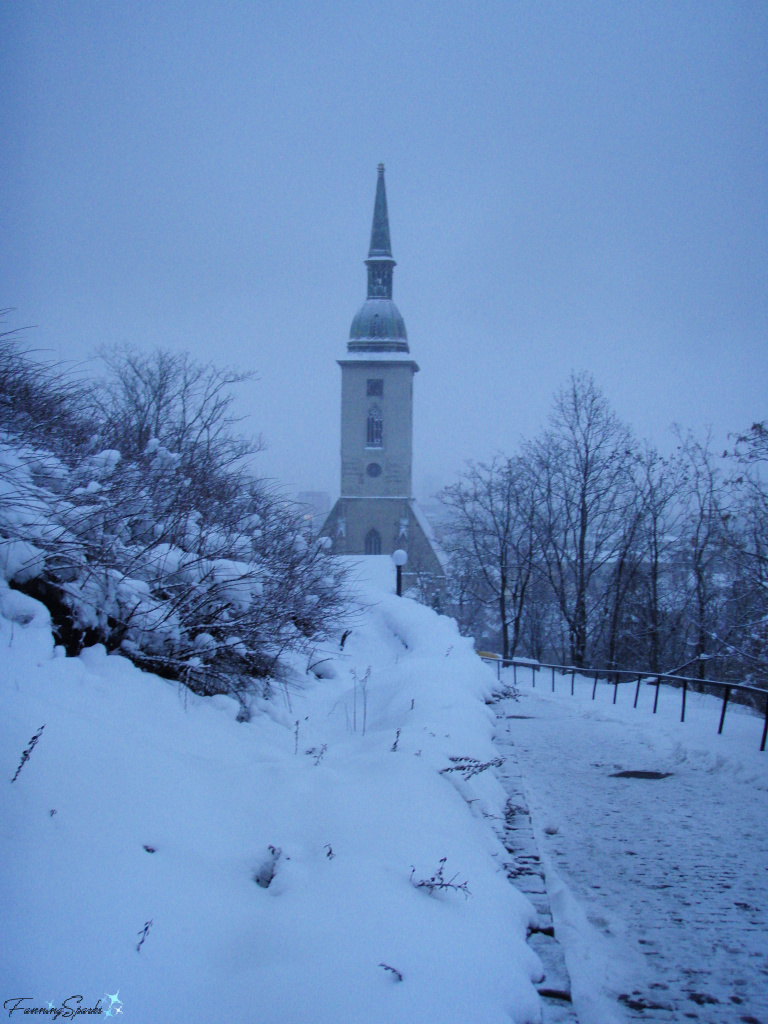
x=571, y=185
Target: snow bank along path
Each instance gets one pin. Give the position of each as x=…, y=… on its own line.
x=659, y=887
x=206, y=870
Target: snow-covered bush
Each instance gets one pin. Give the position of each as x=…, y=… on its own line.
x=148, y=533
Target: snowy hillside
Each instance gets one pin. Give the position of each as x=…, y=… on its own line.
x=203, y=869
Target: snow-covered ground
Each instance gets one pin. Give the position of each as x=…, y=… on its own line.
x=169, y=863
x=659, y=887
x=196, y=868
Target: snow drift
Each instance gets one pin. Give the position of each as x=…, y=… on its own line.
x=207, y=869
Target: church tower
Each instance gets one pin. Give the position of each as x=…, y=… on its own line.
x=376, y=512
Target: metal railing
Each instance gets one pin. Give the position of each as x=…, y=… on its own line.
x=613, y=676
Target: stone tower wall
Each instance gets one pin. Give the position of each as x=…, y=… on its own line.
x=392, y=458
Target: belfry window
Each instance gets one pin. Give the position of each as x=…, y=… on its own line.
x=374, y=428
x=373, y=543
x=374, y=388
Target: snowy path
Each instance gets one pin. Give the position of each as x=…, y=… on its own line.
x=659, y=887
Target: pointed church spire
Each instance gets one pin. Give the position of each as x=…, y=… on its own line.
x=380, y=262
x=380, y=244
x=378, y=326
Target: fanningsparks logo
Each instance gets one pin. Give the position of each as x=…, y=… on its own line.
x=71, y=1007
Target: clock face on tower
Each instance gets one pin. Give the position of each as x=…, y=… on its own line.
x=373, y=469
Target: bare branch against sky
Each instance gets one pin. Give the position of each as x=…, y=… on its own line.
x=575, y=186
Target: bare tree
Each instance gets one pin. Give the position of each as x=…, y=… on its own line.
x=622, y=573
x=751, y=486
x=588, y=548
x=703, y=549
x=467, y=596
x=583, y=465
x=746, y=638
x=172, y=399
x=654, y=608
x=492, y=540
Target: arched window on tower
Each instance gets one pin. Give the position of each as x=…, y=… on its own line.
x=375, y=428
x=373, y=543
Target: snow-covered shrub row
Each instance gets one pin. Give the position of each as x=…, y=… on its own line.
x=178, y=557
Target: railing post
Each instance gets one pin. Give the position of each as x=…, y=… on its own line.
x=657, y=682
x=725, y=705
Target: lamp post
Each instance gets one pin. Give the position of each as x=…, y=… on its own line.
x=399, y=557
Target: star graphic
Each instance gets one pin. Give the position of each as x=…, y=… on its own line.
x=50, y=1006
x=118, y=1010
x=113, y=999
x=108, y=1012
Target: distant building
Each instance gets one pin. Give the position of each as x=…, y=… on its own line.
x=376, y=512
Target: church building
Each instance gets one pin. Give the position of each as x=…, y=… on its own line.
x=376, y=513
